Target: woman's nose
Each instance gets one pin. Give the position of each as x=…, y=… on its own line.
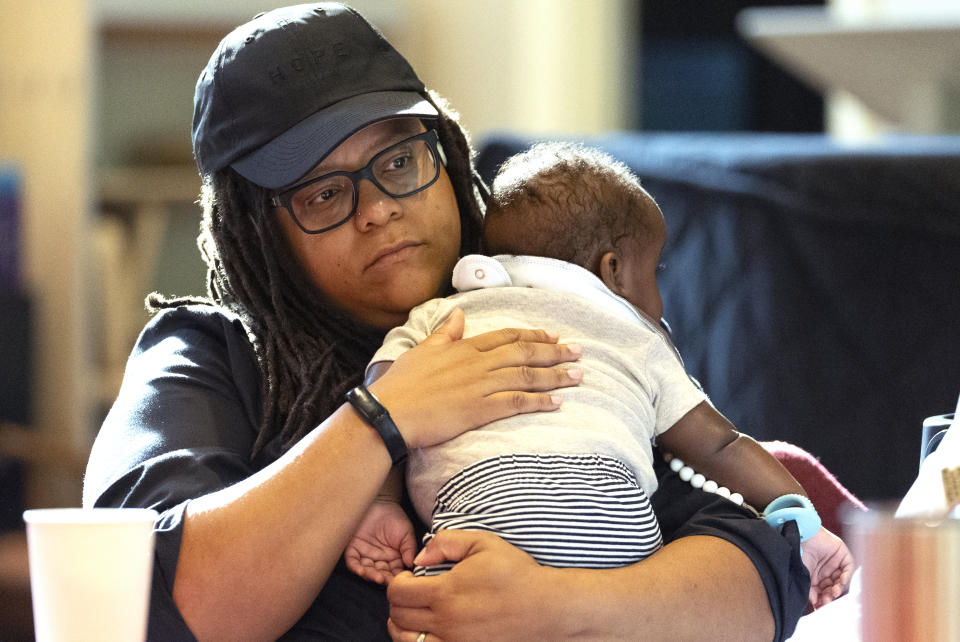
x=374, y=206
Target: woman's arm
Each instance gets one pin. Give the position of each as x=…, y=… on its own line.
x=694, y=588
x=277, y=533
x=281, y=531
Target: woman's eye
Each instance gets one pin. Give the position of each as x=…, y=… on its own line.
x=322, y=196
x=395, y=159
x=399, y=162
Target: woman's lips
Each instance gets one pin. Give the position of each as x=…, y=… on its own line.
x=393, y=253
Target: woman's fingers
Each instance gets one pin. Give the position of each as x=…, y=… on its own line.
x=449, y=546
x=497, y=338
x=511, y=346
x=413, y=593
x=403, y=635
x=506, y=347
x=533, y=353
x=409, y=604
x=507, y=404
x=531, y=379
x=489, y=594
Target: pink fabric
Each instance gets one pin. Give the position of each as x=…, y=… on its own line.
x=828, y=495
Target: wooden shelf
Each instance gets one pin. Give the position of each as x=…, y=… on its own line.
x=36, y=448
x=136, y=205
x=164, y=184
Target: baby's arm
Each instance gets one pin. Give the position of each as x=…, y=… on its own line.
x=713, y=447
x=383, y=544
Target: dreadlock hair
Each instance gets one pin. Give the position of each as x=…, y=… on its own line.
x=309, y=351
x=566, y=201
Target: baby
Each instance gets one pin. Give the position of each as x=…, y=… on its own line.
x=576, y=243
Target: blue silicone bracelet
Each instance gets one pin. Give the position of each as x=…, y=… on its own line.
x=793, y=508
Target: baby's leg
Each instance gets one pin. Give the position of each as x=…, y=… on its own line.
x=582, y=511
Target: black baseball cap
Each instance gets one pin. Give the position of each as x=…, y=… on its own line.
x=283, y=90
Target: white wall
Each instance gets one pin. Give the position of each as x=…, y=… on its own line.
x=537, y=66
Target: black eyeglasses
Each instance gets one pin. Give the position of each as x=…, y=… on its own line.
x=326, y=202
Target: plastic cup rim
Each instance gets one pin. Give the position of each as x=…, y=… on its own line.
x=92, y=516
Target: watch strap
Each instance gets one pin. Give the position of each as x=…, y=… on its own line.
x=377, y=417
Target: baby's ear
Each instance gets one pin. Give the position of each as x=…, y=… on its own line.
x=610, y=271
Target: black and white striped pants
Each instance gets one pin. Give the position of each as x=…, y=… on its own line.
x=583, y=511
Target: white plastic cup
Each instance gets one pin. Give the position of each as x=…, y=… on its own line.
x=90, y=572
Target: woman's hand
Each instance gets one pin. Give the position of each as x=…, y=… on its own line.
x=448, y=385
x=490, y=594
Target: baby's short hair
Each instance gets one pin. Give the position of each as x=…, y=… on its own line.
x=566, y=201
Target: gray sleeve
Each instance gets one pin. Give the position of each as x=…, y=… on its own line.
x=423, y=320
x=675, y=393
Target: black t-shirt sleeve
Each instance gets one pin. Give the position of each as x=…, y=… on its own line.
x=181, y=427
x=188, y=406
x=684, y=511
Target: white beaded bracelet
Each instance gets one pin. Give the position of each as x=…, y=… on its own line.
x=697, y=480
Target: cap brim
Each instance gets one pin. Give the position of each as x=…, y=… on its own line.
x=296, y=151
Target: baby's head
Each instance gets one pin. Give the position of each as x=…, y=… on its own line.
x=577, y=204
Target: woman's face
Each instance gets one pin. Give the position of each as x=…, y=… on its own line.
x=395, y=253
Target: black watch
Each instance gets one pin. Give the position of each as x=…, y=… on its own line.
x=372, y=411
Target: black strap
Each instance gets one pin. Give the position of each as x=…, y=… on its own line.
x=372, y=411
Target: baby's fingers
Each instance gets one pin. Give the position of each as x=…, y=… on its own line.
x=408, y=548
x=363, y=567
x=352, y=560
x=378, y=571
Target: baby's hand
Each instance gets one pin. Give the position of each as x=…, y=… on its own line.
x=830, y=565
x=383, y=545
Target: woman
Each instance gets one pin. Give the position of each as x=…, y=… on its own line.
x=331, y=208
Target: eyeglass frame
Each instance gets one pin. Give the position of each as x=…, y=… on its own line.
x=283, y=198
